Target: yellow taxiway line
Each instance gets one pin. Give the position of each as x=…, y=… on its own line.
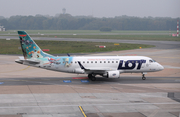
x=82, y=111
x=16, y=70
x=25, y=68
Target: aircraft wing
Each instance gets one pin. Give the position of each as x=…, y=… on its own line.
x=94, y=70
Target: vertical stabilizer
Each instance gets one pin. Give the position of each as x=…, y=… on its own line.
x=29, y=48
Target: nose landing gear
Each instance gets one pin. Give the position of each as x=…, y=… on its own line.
x=143, y=77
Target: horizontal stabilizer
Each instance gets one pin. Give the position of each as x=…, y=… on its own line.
x=29, y=61
x=21, y=60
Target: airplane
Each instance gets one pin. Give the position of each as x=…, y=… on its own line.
x=105, y=66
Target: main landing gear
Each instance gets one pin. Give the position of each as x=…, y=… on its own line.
x=143, y=77
x=92, y=77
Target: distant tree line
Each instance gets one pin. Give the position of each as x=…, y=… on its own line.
x=69, y=22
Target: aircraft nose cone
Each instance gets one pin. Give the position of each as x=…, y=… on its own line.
x=161, y=67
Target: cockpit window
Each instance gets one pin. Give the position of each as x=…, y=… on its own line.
x=151, y=61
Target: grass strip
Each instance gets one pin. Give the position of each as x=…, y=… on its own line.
x=61, y=47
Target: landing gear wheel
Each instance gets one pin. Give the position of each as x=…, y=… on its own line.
x=143, y=77
x=91, y=77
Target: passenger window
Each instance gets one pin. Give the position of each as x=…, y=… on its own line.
x=100, y=62
x=91, y=61
x=108, y=61
x=83, y=62
x=104, y=61
x=95, y=61
x=87, y=61
x=112, y=61
x=116, y=61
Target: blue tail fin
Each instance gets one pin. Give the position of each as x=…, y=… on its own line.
x=29, y=48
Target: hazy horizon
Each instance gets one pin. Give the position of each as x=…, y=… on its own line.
x=100, y=8
x=90, y=16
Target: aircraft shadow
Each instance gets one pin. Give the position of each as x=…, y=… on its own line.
x=99, y=80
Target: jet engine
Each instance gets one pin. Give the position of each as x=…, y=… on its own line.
x=112, y=74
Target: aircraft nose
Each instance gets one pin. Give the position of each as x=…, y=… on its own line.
x=161, y=67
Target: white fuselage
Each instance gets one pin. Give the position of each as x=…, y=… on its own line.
x=101, y=64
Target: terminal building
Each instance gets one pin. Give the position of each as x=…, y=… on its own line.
x=2, y=28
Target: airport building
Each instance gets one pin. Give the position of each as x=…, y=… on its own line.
x=2, y=28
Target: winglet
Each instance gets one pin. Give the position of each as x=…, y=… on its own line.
x=82, y=67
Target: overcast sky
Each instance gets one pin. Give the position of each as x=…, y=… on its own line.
x=97, y=8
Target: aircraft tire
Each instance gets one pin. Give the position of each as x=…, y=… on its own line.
x=143, y=78
x=90, y=76
x=93, y=78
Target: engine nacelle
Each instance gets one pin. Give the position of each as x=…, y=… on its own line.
x=112, y=74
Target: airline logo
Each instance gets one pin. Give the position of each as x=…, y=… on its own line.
x=130, y=64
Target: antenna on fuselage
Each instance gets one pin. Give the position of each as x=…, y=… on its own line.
x=68, y=54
